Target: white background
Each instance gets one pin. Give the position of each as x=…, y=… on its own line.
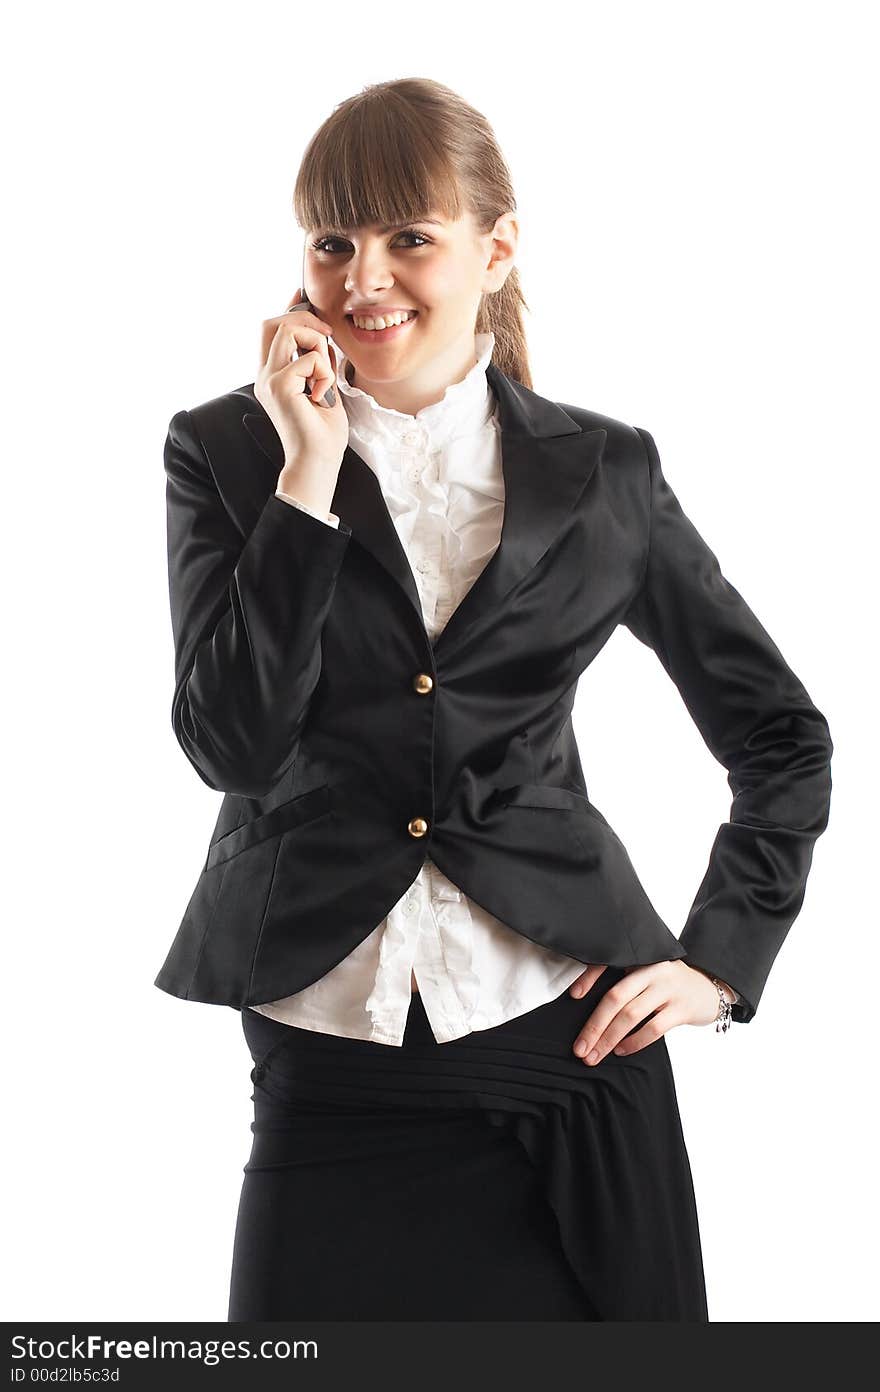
x=698, y=251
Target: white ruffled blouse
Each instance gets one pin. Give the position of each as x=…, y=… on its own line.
x=441, y=478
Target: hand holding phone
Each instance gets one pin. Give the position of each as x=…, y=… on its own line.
x=294, y=385
x=303, y=304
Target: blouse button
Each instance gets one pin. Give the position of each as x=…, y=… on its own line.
x=422, y=683
x=417, y=827
x=411, y=437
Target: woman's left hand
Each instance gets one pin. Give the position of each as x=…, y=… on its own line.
x=672, y=993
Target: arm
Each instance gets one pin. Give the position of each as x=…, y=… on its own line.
x=759, y=722
x=246, y=616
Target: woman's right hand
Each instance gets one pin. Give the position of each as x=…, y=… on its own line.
x=309, y=429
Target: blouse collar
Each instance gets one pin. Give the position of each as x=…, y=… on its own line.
x=464, y=409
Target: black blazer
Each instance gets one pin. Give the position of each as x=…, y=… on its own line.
x=349, y=747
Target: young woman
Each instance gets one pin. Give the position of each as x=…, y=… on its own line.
x=388, y=569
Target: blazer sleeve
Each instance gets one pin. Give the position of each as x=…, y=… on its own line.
x=758, y=721
x=331, y=519
x=246, y=616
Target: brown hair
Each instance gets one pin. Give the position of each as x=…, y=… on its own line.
x=395, y=151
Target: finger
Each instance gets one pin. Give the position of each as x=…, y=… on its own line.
x=313, y=366
x=619, y=1011
x=300, y=369
x=302, y=320
x=627, y=1021
x=302, y=311
x=299, y=317
x=650, y=1032
x=321, y=378
x=587, y=980
x=603, y=1013
x=322, y=375
x=294, y=339
x=292, y=335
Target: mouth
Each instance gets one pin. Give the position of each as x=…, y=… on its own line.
x=381, y=335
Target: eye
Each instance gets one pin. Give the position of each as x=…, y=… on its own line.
x=323, y=243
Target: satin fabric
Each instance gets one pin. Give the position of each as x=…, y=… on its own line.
x=299, y=652
x=494, y=1177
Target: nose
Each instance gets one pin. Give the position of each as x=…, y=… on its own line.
x=369, y=273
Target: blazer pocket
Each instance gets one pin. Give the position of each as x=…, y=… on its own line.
x=297, y=812
x=545, y=795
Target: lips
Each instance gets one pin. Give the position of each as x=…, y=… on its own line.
x=380, y=313
x=381, y=335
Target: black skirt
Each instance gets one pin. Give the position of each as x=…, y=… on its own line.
x=494, y=1177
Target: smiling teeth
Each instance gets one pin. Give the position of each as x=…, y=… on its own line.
x=384, y=321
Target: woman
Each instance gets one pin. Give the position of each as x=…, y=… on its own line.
x=387, y=573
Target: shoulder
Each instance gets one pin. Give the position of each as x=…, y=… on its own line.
x=524, y=408
x=223, y=410
x=623, y=438
x=627, y=454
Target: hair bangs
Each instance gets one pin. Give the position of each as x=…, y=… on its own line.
x=364, y=169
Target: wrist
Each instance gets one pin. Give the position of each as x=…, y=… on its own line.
x=310, y=484
x=730, y=995
x=728, y=992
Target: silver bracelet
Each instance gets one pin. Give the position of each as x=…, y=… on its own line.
x=723, y=1018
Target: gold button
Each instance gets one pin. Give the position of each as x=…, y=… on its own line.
x=417, y=827
x=422, y=683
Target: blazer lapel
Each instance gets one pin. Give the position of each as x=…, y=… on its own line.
x=547, y=460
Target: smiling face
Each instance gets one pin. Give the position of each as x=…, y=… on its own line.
x=436, y=266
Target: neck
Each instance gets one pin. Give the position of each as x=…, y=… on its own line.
x=410, y=395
